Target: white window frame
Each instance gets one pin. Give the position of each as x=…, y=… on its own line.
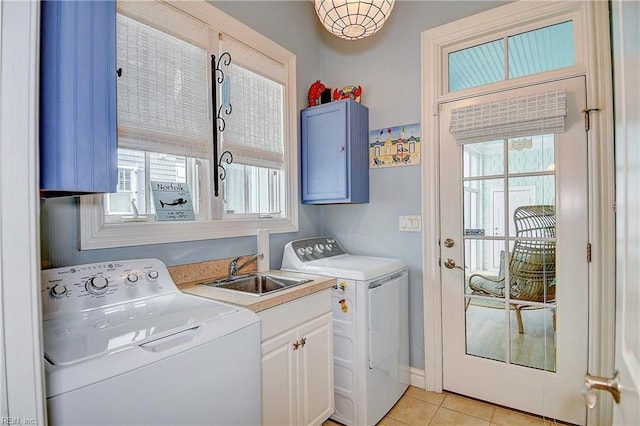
x=133, y=184
x=95, y=233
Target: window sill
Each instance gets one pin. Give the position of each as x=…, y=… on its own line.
x=95, y=234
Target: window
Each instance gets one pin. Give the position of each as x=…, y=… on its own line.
x=120, y=202
x=543, y=49
x=166, y=122
x=253, y=132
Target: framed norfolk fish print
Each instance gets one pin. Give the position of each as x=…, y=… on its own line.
x=172, y=201
x=394, y=146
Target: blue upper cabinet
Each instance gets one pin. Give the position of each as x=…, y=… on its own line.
x=335, y=153
x=78, y=124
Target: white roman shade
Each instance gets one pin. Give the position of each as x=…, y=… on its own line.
x=542, y=113
x=254, y=86
x=163, y=92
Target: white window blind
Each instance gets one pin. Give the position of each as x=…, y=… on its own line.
x=541, y=113
x=254, y=131
x=163, y=93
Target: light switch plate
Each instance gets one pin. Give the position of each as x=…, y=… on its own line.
x=410, y=223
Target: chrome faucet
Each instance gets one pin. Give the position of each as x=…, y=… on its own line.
x=234, y=267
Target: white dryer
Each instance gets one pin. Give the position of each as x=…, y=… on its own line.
x=123, y=346
x=370, y=326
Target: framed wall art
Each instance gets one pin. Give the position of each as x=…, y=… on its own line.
x=395, y=146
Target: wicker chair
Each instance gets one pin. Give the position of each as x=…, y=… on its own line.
x=532, y=264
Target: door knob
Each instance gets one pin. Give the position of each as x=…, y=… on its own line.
x=451, y=264
x=591, y=383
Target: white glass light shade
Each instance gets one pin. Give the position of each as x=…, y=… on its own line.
x=353, y=19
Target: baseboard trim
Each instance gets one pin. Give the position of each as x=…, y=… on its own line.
x=417, y=378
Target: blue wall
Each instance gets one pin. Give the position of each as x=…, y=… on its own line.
x=387, y=66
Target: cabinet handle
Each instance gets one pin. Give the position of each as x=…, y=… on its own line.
x=341, y=149
x=299, y=343
x=119, y=72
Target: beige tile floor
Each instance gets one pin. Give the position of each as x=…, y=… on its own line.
x=419, y=407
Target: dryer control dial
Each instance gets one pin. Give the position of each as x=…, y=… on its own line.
x=153, y=275
x=132, y=278
x=97, y=285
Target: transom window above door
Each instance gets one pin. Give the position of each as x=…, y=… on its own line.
x=512, y=56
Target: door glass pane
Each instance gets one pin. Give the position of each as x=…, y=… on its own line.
x=532, y=154
x=485, y=330
x=485, y=267
x=529, y=191
x=541, y=50
x=483, y=159
x=482, y=204
x=535, y=347
x=532, y=263
x=476, y=65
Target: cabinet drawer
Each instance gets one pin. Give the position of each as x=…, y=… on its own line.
x=288, y=315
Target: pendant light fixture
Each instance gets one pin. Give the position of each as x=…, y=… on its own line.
x=353, y=19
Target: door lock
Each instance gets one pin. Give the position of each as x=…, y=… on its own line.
x=448, y=243
x=451, y=264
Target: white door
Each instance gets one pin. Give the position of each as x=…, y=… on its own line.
x=541, y=369
x=626, y=64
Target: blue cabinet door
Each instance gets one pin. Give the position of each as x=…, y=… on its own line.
x=78, y=125
x=324, y=153
x=334, y=153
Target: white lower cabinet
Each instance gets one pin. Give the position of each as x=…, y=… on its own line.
x=297, y=361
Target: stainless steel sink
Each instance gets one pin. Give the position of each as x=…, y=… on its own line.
x=257, y=284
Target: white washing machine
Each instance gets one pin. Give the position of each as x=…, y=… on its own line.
x=370, y=326
x=123, y=346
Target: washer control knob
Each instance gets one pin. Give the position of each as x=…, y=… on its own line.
x=308, y=250
x=58, y=291
x=97, y=285
x=132, y=278
x=300, y=251
x=153, y=275
x=329, y=247
x=319, y=248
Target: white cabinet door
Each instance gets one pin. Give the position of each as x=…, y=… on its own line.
x=279, y=393
x=315, y=370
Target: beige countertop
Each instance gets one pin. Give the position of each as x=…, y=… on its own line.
x=260, y=303
x=190, y=278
